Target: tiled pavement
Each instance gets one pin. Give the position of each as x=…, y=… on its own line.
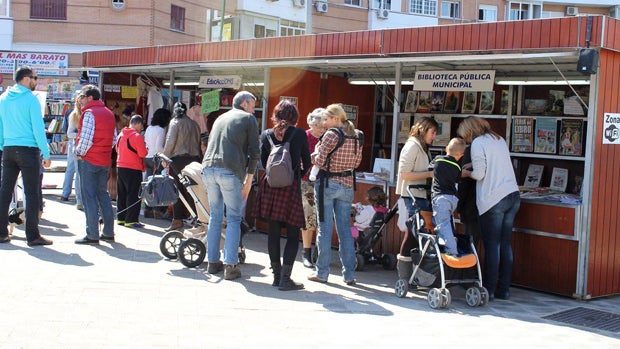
x=126, y=295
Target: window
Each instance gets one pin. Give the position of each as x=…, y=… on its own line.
x=177, y=18
x=290, y=28
x=382, y=4
x=353, y=2
x=118, y=4
x=423, y=7
x=450, y=9
x=524, y=10
x=259, y=31
x=48, y=9
x=487, y=13
x=3, y=6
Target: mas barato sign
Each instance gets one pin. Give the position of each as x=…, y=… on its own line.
x=454, y=80
x=45, y=64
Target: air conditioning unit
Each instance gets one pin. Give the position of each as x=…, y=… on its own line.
x=615, y=12
x=299, y=3
x=383, y=14
x=572, y=11
x=321, y=6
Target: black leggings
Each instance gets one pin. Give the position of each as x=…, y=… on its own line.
x=273, y=242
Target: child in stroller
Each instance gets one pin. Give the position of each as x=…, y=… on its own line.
x=436, y=271
x=189, y=246
x=369, y=222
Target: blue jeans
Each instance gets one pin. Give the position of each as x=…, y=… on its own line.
x=337, y=200
x=224, y=190
x=28, y=161
x=96, y=199
x=443, y=207
x=496, y=227
x=70, y=172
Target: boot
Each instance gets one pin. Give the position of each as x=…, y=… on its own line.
x=307, y=258
x=276, y=267
x=286, y=284
x=177, y=224
x=404, y=265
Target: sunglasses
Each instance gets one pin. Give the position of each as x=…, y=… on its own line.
x=34, y=77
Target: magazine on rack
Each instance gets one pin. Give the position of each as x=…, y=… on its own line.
x=545, y=138
x=522, y=135
x=533, y=176
x=571, y=132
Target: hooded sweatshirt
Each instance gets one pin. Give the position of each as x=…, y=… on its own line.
x=21, y=120
x=131, y=149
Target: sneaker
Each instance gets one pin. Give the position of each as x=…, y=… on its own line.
x=64, y=198
x=106, y=238
x=86, y=241
x=80, y=207
x=134, y=225
x=118, y=222
x=215, y=267
x=314, y=277
x=231, y=272
x=350, y=282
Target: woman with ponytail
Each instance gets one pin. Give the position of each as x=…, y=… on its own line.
x=282, y=207
x=182, y=146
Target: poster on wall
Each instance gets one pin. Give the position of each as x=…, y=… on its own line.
x=438, y=101
x=487, y=102
x=424, y=102
x=411, y=104
x=545, y=135
x=452, y=102
x=404, y=124
x=522, y=135
x=210, y=101
x=290, y=99
x=571, y=135
x=351, y=111
x=470, y=98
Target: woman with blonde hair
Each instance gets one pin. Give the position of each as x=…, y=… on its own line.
x=72, y=121
x=333, y=191
x=497, y=198
x=413, y=170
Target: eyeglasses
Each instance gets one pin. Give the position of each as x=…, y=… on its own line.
x=34, y=77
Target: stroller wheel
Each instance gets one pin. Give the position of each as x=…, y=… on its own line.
x=389, y=261
x=434, y=298
x=473, y=297
x=484, y=300
x=169, y=244
x=360, y=262
x=192, y=252
x=401, y=288
x=447, y=297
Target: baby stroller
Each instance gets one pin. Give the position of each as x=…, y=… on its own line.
x=435, y=271
x=365, y=242
x=189, y=246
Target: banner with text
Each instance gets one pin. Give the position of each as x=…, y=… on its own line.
x=232, y=81
x=44, y=64
x=454, y=80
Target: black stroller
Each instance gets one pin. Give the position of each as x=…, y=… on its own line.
x=189, y=246
x=435, y=271
x=365, y=243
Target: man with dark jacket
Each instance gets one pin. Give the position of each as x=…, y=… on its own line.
x=131, y=150
x=229, y=164
x=94, y=142
x=22, y=142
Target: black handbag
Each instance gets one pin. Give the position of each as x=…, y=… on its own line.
x=159, y=190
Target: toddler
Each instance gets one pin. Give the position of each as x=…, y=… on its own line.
x=365, y=213
x=446, y=174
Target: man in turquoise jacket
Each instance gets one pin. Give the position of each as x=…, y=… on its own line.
x=23, y=141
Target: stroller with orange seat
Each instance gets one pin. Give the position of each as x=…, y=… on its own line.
x=435, y=271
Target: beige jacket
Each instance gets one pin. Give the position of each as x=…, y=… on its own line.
x=412, y=159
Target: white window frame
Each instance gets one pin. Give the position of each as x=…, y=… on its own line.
x=525, y=10
x=357, y=3
x=487, y=10
x=291, y=28
x=423, y=7
x=451, y=9
x=382, y=5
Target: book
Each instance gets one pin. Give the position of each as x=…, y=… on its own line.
x=559, y=179
x=438, y=101
x=52, y=126
x=411, y=104
x=442, y=137
x=545, y=135
x=533, y=176
x=534, y=106
x=470, y=98
x=452, y=102
x=571, y=132
x=522, y=135
x=424, y=102
x=487, y=102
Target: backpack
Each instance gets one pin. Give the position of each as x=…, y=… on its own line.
x=279, y=168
